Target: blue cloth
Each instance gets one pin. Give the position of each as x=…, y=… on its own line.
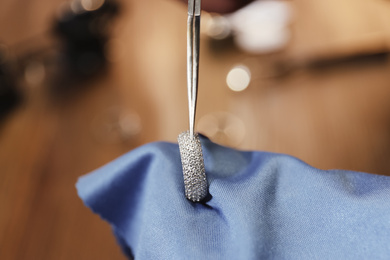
x=262, y=206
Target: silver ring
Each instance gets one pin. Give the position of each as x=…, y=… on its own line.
x=195, y=181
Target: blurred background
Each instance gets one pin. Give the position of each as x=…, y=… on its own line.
x=84, y=81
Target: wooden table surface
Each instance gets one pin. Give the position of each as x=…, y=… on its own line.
x=335, y=116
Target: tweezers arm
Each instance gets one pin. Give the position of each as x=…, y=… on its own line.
x=190, y=40
x=193, y=42
x=194, y=7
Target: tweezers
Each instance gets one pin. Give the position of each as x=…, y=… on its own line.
x=193, y=30
x=194, y=173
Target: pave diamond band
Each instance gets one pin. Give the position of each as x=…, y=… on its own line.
x=195, y=182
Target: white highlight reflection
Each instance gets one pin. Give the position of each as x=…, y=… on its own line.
x=238, y=78
x=91, y=5
x=262, y=26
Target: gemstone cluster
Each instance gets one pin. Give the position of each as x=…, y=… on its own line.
x=195, y=181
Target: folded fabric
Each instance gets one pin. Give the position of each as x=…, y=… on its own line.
x=261, y=206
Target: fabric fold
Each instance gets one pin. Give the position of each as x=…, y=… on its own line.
x=262, y=206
